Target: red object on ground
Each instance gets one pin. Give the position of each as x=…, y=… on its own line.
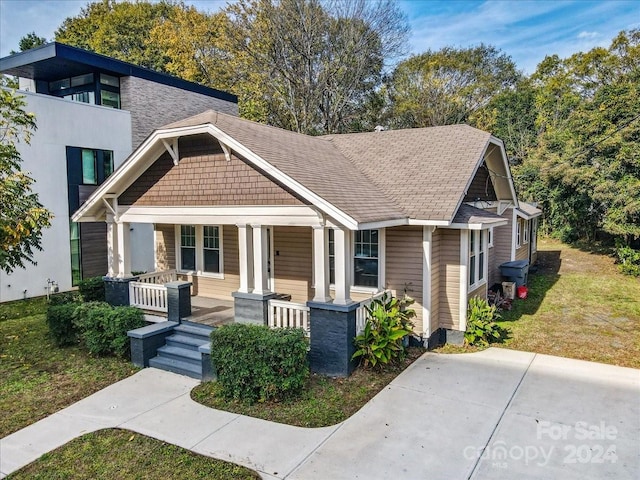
x=522, y=292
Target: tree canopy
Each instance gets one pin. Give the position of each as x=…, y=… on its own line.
x=22, y=217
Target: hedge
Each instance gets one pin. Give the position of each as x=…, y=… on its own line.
x=256, y=363
x=60, y=319
x=92, y=289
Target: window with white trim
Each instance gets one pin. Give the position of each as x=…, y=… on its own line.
x=518, y=233
x=365, y=258
x=477, y=258
x=534, y=234
x=525, y=232
x=187, y=247
x=490, y=237
x=199, y=250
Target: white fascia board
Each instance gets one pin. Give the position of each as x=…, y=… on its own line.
x=525, y=215
x=478, y=226
x=383, y=224
x=429, y=223
x=275, y=173
x=242, y=215
x=496, y=141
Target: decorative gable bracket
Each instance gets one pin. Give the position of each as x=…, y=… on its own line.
x=227, y=151
x=172, y=149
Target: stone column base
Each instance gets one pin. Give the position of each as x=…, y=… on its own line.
x=252, y=308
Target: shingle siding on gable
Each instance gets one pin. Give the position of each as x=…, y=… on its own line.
x=481, y=187
x=204, y=178
x=152, y=104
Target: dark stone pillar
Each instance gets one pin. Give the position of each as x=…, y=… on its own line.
x=208, y=369
x=252, y=308
x=333, y=328
x=146, y=341
x=178, y=300
x=116, y=290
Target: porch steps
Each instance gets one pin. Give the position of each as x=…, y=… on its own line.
x=180, y=353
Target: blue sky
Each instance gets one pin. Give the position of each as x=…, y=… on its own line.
x=527, y=30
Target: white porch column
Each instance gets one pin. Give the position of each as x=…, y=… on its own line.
x=321, y=264
x=464, y=278
x=260, y=255
x=112, y=247
x=341, y=246
x=245, y=244
x=427, y=234
x=124, y=249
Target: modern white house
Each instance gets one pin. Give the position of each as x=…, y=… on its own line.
x=91, y=112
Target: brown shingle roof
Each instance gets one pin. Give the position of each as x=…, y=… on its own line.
x=468, y=214
x=417, y=173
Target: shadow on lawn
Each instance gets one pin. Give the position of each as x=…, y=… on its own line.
x=539, y=284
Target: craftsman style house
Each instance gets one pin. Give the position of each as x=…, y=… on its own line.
x=246, y=211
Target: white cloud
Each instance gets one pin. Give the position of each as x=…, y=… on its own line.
x=588, y=35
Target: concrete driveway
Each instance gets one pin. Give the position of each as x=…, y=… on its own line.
x=497, y=414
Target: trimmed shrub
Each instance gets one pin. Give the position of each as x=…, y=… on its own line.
x=60, y=319
x=92, y=289
x=256, y=363
x=103, y=328
x=64, y=297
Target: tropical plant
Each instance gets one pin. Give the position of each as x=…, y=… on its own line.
x=482, y=328
x=388, y=323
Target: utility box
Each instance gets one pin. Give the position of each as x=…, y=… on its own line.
x=516, y=271
x=509, y=290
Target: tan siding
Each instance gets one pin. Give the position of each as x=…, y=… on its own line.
x=204, y=178
x=404, y=266
x=534, y=257
x=165, y=247
x=216, y=287
x=355, y=296
x=435, y=280
x=449, y=293
x=501, y=251
x=522, y=253
x=481, y=292
x=293, y=261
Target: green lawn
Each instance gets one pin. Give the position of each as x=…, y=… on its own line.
x=123, y=455
x=325, y=401
x=579, y=306
x=37, y=378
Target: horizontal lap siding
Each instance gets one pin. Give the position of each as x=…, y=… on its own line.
x=216, y=287
x=293, y=250
x=481, y=292
x=501, y=251
x=522, y=253
x=449, y=293
x=435, y=280
x=165, y=247
x=404, y=266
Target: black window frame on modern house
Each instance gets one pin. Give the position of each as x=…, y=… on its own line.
x=87, y=168
x=95, y=88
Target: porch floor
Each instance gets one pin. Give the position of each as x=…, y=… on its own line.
x=204, y=310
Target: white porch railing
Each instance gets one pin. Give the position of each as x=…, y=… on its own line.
x=148, y=296
x=283, y=314
x=361, y=312
x=159, y=277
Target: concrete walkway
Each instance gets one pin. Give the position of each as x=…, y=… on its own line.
x=497, y=414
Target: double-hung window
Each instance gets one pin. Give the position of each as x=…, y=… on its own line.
x=365, y=258
x=525, y=233
x=477, y=257
x=200, y=249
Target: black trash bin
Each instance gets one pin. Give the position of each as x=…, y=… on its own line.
x=516, y=271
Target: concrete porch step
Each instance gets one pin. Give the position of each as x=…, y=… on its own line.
x=177, y=366
x=185, y=341
x=182, y=354
x=194, y=330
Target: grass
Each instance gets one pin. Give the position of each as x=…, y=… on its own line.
x=37, y=378
x=579, y=306
x=325, y=401
x=126, y=455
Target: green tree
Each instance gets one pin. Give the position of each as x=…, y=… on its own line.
x=586, y=165
x=312, y=66
x=448, y=86
x=119, y=30
x=29, y=41
x=22, y=217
